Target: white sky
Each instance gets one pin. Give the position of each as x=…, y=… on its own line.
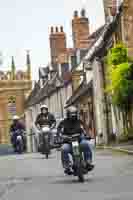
x=25, y=25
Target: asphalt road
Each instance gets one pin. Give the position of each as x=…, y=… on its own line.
x=31, y=177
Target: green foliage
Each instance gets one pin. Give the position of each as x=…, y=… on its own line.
x=117, y=55
x=123, y=137
x=120, y=74
x=126, y=135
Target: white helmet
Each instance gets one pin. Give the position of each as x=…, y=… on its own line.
x=44, y=106
x=15, y=117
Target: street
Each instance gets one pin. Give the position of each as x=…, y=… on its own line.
x=32, y=177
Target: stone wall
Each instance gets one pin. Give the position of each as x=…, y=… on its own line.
x=12, y=97
x=128, y=25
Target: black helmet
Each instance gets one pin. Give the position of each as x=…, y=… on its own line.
x=72, y=113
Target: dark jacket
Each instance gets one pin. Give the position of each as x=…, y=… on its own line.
x=42, y=119
x=17, y=126
x=70, y=127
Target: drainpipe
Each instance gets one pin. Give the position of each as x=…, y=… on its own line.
x=93, y=116
x=100, y=102
x=84, y=73
x=106, y=102
x=62, y=107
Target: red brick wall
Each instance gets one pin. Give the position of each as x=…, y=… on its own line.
x=57, y=43
x=80, y=30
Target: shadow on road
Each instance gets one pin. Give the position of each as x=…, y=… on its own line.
x=71, y=180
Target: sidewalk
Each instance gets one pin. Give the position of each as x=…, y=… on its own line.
x=6, y=149
x=126, y=148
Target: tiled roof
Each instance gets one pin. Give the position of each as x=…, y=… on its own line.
x=37, y=95
x=82, y=90
x=32, y=95
x=96, y=33
x=43, y=72
x=104, y=38
x=92, y=39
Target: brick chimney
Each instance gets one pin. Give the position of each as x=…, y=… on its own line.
x=57, y=43
x=80, y=30
x=113, y=7
x=110, y=7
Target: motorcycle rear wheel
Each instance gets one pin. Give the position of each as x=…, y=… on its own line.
x=45, y=148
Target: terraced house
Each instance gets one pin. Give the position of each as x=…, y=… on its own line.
x=83, y=70
x=103, y=120
x=57, y=80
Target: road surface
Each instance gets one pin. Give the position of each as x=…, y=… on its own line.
x=31, y=177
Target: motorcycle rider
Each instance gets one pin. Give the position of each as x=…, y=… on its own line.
x=69, y=126
x=45, y=118
x=17, y=125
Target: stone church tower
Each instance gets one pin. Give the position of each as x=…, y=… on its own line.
x=14, y=88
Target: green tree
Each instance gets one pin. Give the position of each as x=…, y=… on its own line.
x=120, y=75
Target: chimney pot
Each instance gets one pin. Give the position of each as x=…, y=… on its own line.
x=83, y=13
x=114, y=7
x=61, y=29
x=52, y=29
x=56, y=29
x=75, y=13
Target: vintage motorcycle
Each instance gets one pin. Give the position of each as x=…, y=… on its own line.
x=18, y=140
x=77, y=163
x=45, y=140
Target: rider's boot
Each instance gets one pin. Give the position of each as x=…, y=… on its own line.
x=68, y=171
x=89, y=165
x=68, y=168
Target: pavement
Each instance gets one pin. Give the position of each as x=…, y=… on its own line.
x=32, y=177
x=126, y=148
x=6, y=149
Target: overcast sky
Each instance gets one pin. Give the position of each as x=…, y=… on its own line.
x=25, y=25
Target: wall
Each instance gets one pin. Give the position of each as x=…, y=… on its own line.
x=128, y=25
x=57, y=43
x=17, y=90
x=99, y=102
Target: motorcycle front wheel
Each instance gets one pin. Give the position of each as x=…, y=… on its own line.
x=80, y=175
x=47, y=155
x=46, y=147
x=80, y=172
x=20, y=148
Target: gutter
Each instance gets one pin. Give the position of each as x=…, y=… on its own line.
x=115, y=149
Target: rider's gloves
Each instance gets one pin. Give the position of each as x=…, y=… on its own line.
x=38, y=126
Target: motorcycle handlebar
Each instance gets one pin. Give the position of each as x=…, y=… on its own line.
x=72, y=136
